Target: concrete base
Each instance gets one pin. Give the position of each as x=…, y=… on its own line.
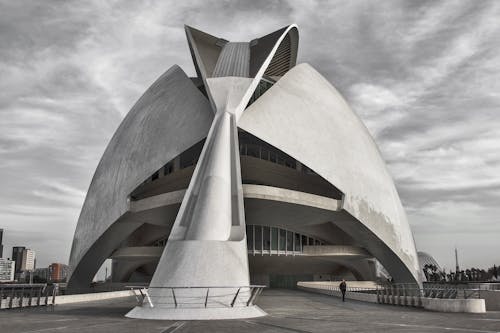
x=454, y=305
x=92, y=297
x=160, y=313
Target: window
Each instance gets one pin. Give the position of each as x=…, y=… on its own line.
x=272, y=157
x=264, y=154
x=274, y=239
x=296, y=246
x=258, y=238
x=282, y=240
x=267, y=240
x=169, y=167
x=290, y=164
x=253, y=150
x=266, y=236
x=289, y=241
x=249, y=229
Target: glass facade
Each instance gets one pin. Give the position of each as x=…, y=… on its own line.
x=272, y=240
x=269, y=240
x=268, y=154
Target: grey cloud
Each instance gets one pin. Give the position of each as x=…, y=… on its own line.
x=424, y=77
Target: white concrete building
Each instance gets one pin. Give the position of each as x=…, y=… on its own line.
x=7, y=268
x=254, y=172
x=28, y=261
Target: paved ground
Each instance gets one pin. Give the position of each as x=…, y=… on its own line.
x=289, y=311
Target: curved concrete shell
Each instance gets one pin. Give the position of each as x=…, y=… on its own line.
x=255, y=172
x=171, y=116
x=337, y=146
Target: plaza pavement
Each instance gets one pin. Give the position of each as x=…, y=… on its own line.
x=289, y=311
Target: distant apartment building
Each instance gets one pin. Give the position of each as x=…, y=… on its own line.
x=1, y=243
x=17, y=257
x=24, y=261
x=28, y=262
x=7, y=268
x=41, y=274
x=58, y=272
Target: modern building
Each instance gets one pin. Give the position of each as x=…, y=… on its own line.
x=256, y=171
x=427, y=262
x=1, y=243
x=7, y=268
x=41, y=274
x=28, y=261
x=17, y=257
x=58, y=272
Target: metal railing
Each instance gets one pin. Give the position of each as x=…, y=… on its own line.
x=197, y=297
x=432, y=291
x=412, y=294
x=404, y=294
x=26, y=295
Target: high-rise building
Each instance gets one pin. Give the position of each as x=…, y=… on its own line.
x=28, y=262
x=1, y=244
x=7, y=268
x=58, y=272
x=17, y=257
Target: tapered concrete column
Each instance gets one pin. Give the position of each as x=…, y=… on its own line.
x=203, y=271
x=206, y=251
x=211, y=216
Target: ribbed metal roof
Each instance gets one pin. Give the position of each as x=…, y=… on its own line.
x=234, y=60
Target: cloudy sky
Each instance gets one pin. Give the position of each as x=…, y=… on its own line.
x=423, y=75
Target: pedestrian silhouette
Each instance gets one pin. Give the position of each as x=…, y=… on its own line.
x=343, y=288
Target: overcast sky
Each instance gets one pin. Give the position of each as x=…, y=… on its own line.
x=423, y=75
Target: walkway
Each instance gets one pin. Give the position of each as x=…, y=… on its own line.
x=289, y=311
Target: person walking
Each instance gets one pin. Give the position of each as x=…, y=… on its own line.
x=343, y=288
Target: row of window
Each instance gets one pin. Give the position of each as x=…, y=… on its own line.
x=160, y=242
x=267, y=155
x=190, y=157
x=261, y=88
x=264, y=239
x=184, y=160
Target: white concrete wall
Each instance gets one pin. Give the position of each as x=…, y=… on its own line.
x=78, y=298
x=65, y=299
x=454, y=305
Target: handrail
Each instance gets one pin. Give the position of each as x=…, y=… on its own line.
x=239, y=296
x=195, y=287
x=26, y=295
x=403, y=294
